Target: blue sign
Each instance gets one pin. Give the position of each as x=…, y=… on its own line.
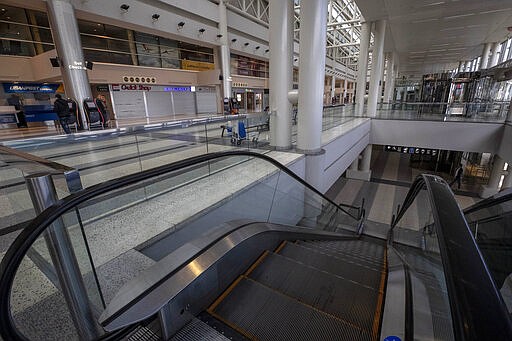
x=177, y=88
x=12, y=88
x=392, y=338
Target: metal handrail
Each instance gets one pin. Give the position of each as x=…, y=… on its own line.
x=478, y=311
x=19, y=248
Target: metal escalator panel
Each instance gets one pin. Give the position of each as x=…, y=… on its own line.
x=264, y=314
x=296, y=293
x=332, y=294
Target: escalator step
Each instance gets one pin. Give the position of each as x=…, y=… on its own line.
x=361, y=248
x=261, y=313
x=348, y=252
x=358, y=272
x=198, y=330
x=329, y=293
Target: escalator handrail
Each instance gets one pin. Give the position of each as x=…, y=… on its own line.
x=18, y=249
x=477, y=308
x=489, y=202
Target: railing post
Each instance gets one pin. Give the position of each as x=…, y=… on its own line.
x=43, y=195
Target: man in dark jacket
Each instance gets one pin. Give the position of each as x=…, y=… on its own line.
x=458, y=176
x=61, y=108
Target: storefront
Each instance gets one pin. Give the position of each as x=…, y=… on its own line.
x=132, y=101
x=251, y=99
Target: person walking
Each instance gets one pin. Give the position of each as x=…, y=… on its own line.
x=458, y=176
x=61, y=108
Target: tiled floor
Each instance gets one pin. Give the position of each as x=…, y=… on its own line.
x=389, y=184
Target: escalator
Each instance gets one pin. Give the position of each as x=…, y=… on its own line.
x=275, y=260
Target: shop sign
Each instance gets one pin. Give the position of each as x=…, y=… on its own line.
x=102, y=88
x=131, y=87
x=177, y=88
x=196, y=66
x=411, y=150
x=12, y=88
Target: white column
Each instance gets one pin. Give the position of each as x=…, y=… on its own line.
x=390, y=73
x=224, y=50
x=333, y=87
x=281, y=68
x=66, y=36
x=485, y=56
x=313, y=27
x=507, y=181
x=382, y=75
x=362, y=67
x=467, y=66
x=494, y=178
x=494, y=57
x=377, y=64
x=367, y=157
x=461, y=66
x=345, y=89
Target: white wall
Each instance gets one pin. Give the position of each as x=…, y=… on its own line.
x=460, y=136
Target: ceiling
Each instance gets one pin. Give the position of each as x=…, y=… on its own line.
x=434, y=35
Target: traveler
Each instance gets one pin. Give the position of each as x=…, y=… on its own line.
x=458, y=176
x=61, y=108
x=101, y=104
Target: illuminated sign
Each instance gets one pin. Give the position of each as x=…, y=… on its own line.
x=177, y=88
x=12, y=88
x=411, y=150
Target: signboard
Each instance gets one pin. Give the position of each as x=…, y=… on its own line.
x=411, y=150
x=12, y=88
x=143, y=87
x=102, y=88
x=196, y=66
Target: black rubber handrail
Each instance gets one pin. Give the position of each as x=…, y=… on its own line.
x=21, y=245
x=477, y=308
x=486, y=203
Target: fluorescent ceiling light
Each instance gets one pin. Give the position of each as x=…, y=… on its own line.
x=496, y=10
x=424, y=20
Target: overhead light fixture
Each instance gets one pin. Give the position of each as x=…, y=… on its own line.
x=267, y=51
x=124, y=7
x=257, y=48
x=246, y=44
x=180, y=25
x=201, y=30
x=233, y=40
x=219, y=36
x=155, y=16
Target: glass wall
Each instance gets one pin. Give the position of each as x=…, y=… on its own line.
x=27, y=33
x=245, y=66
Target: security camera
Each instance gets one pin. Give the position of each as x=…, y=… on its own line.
x=124, y=7
x=155, y=16
x=181, y=24
x=201, y=30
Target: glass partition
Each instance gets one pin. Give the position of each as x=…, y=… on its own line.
x=121, y=228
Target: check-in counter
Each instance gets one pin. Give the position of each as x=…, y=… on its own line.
x=8, y=117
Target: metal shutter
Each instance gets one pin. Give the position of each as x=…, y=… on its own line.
x=206, y=102
x=159, y=104
x=184, y=103
x=129, y=104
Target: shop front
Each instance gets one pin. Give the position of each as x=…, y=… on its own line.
x=250, y=100
x=146, y=101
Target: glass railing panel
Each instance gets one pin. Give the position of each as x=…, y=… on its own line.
x=37, y=303
x=415, y=240
x=415, y=228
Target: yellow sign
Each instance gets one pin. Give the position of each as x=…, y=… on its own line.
x=196, y=66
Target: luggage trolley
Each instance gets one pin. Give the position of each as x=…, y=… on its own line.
x=243, y=135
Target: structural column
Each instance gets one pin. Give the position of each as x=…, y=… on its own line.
x=311, y=74
x=509, y=114
x=362, y=67
x=66, y=36
x=461, y=66
x=494, y=57
x=313, y=31
x=281, y=66
x=494, y=178
x=390, y=73
x=224, y=50
x=333, y=87
x=485, y=56
x=377, y=64
x=507, y=181
x=360, y=170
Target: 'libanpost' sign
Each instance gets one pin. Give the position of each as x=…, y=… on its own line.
x=12, y=88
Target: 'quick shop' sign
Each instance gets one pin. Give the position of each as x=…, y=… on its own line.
x=12, y=88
